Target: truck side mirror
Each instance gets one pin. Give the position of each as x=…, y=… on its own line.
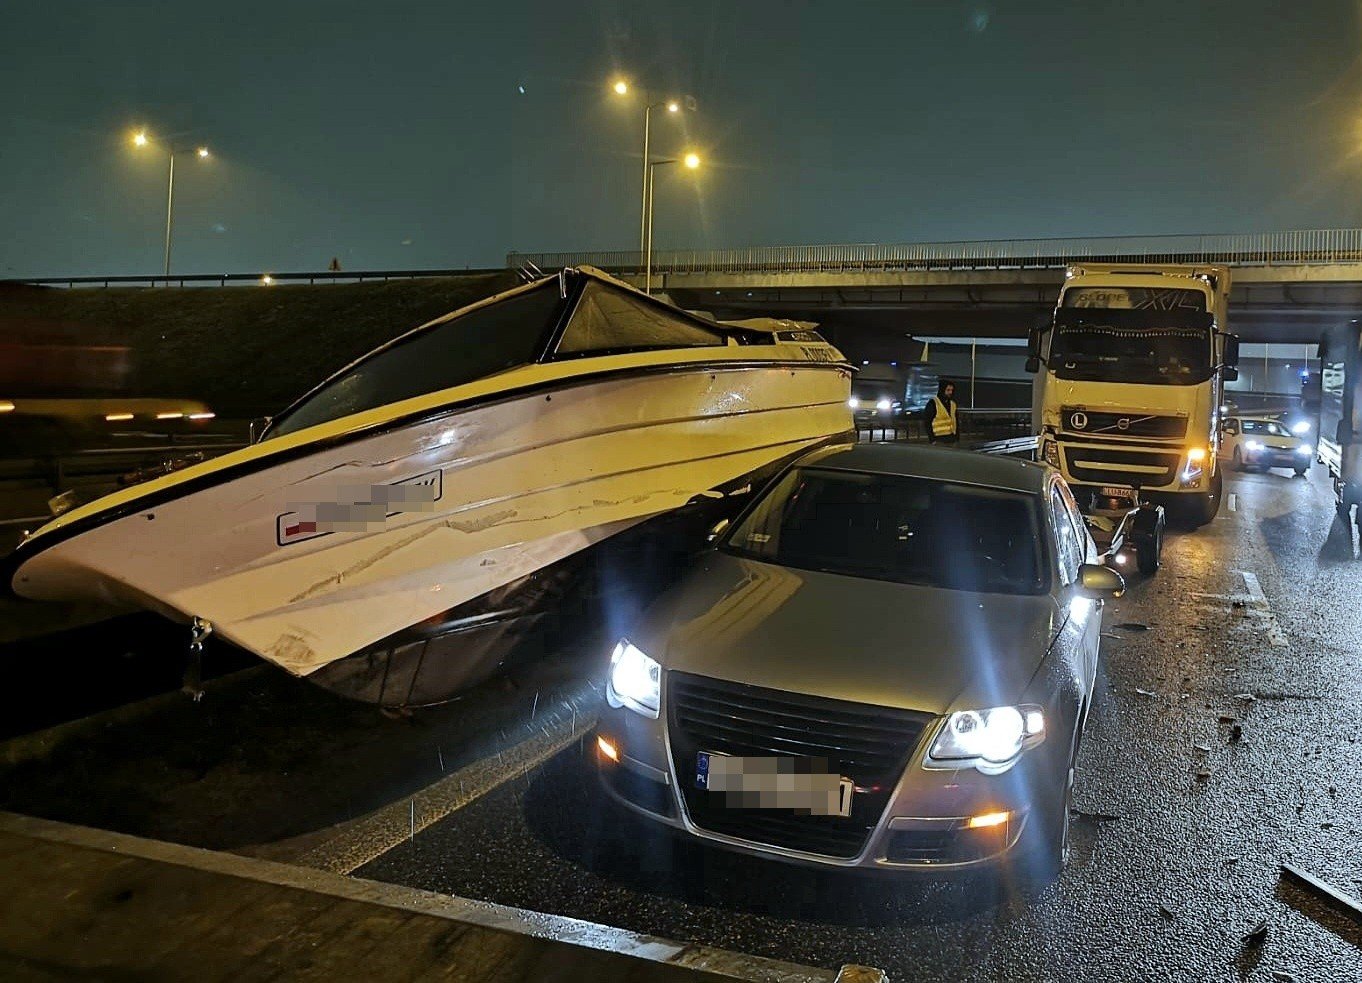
x=1032, y=364
x=1033, y=351
x=1231, y=374
x=1231, y=358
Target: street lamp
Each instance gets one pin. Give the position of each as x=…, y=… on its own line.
x=673, y=107
x=692, y=162
x=140, y=139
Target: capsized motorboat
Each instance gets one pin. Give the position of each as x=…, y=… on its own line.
x=397, y=533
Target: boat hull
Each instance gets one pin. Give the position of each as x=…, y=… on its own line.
x=335, y=552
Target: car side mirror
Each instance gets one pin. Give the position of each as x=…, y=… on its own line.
x=717, y=530
x=1100, y=583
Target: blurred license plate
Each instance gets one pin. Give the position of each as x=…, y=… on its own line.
x=1116, y=491
x=773, y=783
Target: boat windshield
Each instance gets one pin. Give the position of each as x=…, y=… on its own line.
x=901, y=529
x=1146, y=345
x=474, y=345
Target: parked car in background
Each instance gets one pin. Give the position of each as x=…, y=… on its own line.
x=1263, y=443
x=886, y=663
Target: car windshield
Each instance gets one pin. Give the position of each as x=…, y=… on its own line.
x=900, y=529
x=1268, y=427
x=1150, y=346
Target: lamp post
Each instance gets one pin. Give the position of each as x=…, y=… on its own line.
x=672, y=106
x=692, y=162
x=140, y=139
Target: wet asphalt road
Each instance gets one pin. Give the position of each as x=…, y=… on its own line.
x=1170, y=870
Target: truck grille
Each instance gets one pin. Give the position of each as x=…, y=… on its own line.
x=1081, y=462
x=870, y=745
x=1103, y=423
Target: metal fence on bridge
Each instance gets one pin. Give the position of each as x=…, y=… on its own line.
x=1309, y=246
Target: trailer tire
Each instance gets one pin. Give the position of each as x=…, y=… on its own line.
x=1149, y=553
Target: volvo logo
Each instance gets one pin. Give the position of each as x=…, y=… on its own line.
x=1079, y=421
x=1123, y=423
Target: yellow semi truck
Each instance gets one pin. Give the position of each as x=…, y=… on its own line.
x=1129, y=376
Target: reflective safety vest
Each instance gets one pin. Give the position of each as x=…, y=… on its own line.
x=943, y=420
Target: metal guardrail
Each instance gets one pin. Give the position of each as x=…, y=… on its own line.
x=59, y=469
x=246, y=279
x=1013, y=445
x=1254, y=249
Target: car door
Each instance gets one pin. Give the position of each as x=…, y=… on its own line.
x=1074, y=547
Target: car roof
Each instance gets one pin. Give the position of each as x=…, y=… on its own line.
x=939, y=463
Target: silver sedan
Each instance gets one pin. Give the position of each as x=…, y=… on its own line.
x=885, y=663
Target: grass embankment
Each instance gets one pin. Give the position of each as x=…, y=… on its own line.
x=247, y=351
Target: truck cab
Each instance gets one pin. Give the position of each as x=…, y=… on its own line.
x=1129, y=376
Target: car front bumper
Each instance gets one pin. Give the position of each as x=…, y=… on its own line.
x=925, y=827
x=1273, y=457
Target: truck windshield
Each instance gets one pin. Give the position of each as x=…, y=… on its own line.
x=1146, y=345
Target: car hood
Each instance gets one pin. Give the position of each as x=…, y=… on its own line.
x=846, y=638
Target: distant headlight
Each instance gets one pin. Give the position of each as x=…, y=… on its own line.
x=1253, y=445
x=1299, y=428
x=635, y=680
x=883, y=405
x=854, y=403
x=1305, y=449
x=988, y=738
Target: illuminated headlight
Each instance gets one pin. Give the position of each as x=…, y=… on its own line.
x=1304, y=449
x=989, y=738
x=1299, y=428
x=1253, y=445
x=635, y=680
x=854, y=403
x=882, y=405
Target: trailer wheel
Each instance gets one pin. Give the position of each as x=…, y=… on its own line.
x=1149, y=552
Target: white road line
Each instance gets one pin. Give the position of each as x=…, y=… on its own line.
x=365, y=839
x=1234, y=502
x=1258, y=601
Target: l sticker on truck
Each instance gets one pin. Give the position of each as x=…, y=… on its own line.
x=363, y=507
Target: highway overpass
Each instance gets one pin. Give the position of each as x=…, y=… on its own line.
x=1287, y=286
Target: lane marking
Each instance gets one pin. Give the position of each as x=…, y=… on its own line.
x=1234, y=502
x=358, y=842
x=1258, y=601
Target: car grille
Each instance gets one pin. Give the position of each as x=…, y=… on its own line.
x=871, y=745
x=1078, y=461
x=1108, y=424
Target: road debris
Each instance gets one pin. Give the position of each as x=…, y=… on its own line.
x=1257, y=935
x=1236, y=734
x=1228, y=718
x=1282, y=976
x=1132, y=626
x=1163, y=910
x=1095, y=817
x=1202, y=774
x=1145, y=692
x=1245, y=697
x=1343, y=903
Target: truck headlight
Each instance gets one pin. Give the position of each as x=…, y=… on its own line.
x=635, y=680
x=988, y=738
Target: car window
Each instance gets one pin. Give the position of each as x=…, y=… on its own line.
x=1066, y=540
x=896, y=528
x=1264, y=426
x=1076, y=517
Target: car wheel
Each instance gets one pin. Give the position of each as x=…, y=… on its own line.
x=1045, y=841
x=1300, y=472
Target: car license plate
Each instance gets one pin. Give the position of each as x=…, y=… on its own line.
x=1116, y=491
x=773, y=783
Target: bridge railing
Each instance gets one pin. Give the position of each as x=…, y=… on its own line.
x=1256, y=249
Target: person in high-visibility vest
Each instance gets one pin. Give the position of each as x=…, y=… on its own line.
x=942, y=415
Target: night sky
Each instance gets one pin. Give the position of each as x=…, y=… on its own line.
x=397, y=135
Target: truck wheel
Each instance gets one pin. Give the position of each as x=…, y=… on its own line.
x=1203, y=508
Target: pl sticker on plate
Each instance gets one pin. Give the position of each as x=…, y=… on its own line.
x=361, y=508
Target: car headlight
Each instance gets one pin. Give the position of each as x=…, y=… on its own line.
x=854, y=403
x=988, y=737
x=1304, y=449
x=1301, y=427
x=1253, y=445
x=882, y=405
x=635, y=680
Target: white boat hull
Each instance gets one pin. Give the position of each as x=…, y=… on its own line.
x=287, y=560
